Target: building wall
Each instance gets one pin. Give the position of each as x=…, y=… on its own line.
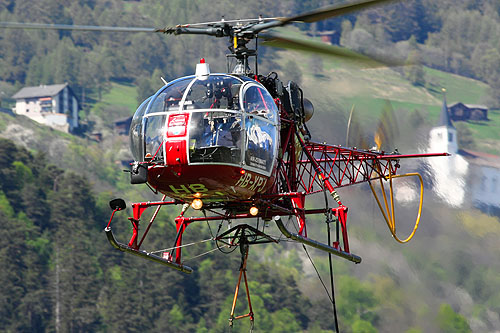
x=486, y=189
x=74, y=112
x=443, y=138
x=62, y=116
x=30, y=108
x=461, y=112
x=448, y=173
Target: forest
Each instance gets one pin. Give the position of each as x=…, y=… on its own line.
x=461, y=37
x=59, y=272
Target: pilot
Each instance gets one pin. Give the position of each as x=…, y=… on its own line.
x=254, y=102
x=229, y=132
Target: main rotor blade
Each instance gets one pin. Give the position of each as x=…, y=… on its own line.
x=309, y=45
x=17, y=25
x=332, y=11
x=320, y=14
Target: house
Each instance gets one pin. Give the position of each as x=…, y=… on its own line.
x=462, y=112
x=52, y=105
x=485, y=183
x=7, y=111
x=465, y=176
x=122, y=126
x=330, y=37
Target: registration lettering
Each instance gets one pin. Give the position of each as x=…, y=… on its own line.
x=188, y=189
x=252, y=182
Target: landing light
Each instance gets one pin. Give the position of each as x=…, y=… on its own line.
x=197, y=204
x=254, y=211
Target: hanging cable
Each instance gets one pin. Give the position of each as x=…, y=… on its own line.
x=201, y=254
x=181, y=246
x=317, y=273
x=227, y=245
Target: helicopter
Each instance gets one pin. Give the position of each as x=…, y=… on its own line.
x=236, y=146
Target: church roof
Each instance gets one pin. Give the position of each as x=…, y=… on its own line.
x=444, y=117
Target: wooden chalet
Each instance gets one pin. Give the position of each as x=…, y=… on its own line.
x=463, y=112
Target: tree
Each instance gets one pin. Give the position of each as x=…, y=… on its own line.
x=363, y=326
x=356, y=301
x=75, y=274
x=414, y=71
x=292, y=72
x=465, y=137
x=284, y=321
x=316, y=65
x=450, y=321
x=23, y=277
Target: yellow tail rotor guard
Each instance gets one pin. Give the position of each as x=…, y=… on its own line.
x=389, y=214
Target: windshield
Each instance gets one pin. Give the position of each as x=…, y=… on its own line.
x=215, y=92
x=136, y=137
x=169, y=97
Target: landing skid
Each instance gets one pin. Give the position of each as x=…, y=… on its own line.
x=298, y=238
x=144, y=254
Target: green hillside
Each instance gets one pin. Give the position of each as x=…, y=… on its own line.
x=368, y=89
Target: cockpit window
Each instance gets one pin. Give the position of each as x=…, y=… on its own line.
x=256, y=100
x=170, y=98
x=136, y=138
x=215, y=92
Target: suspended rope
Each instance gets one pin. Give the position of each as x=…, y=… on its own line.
x=181, y=246
x=201, y=254
x=287, y=223
x=317, y=272
x=389, y=213
x=225, y=245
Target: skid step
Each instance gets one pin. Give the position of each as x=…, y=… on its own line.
x=144, y=254
x=349, y=256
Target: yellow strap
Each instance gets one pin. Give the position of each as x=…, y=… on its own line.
x=390, y=216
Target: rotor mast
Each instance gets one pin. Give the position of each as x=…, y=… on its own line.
x=239, y=36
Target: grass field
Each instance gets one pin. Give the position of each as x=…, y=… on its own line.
x=458, y=88
x=120, y=94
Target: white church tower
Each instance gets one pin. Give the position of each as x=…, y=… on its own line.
x=443, y=137
x=449, y=173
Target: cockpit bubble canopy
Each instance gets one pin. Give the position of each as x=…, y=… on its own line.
x=214, y=93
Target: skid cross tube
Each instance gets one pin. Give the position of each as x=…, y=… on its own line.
x=349, y=256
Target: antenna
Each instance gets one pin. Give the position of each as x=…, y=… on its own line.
x=349, y=126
